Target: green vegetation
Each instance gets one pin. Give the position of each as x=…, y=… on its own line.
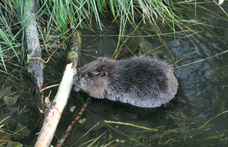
x=57, y=19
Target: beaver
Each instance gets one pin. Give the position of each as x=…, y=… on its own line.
x=139, y=81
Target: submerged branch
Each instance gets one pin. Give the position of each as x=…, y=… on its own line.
x=74, y=47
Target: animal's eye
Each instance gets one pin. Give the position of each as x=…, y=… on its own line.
x=104, y=74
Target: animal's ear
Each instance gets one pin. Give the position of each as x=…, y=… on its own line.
x=104, y=74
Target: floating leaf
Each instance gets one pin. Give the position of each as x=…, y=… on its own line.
x=13, y=143
x=22, y=132
x=10, y=100
x=5, y=91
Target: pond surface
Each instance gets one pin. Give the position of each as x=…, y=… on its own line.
x=193, y=119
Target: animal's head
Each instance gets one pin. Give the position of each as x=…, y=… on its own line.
x=94, y=77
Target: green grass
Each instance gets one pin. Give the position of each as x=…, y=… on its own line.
x=59, y=18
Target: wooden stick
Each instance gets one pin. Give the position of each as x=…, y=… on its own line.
x=55, y=110
x=74, y=48
x=70, y=127
x=34, y=66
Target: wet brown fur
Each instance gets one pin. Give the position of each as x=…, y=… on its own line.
x=140, y=81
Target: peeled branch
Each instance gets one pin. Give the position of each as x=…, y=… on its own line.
x=56, y=108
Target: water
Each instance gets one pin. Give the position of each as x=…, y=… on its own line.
x=202, y=75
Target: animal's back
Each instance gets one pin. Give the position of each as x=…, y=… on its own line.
x=143, y=82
